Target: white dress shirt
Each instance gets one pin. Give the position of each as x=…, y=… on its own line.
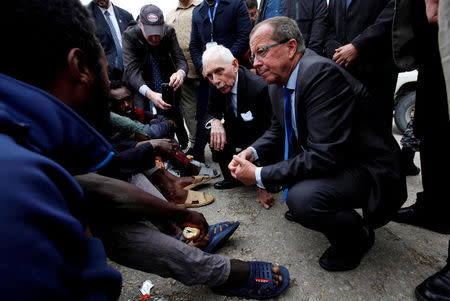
x=114, y=21
x=292, y=82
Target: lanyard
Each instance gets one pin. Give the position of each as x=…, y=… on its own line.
x=211, y=18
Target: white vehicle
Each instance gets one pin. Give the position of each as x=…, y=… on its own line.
x=405, y=98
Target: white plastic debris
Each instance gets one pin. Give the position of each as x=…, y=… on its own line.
x=146, y=287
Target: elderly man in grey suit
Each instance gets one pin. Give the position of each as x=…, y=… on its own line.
x=337, y=154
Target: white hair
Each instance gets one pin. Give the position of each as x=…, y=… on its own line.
x=224, y=52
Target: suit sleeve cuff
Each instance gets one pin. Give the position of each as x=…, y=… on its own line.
x=255, y=153
x=258, y=178
x=184, y=72
x=143, y=89
x=208, y=124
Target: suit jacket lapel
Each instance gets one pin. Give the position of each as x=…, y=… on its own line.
x=278, y=95
x=122, y=25
x=102, y=22
x=241, y=90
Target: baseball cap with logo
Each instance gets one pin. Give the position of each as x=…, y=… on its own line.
x=152, y=20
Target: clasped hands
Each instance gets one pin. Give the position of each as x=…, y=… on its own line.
x=242, y=168
x=345, y=55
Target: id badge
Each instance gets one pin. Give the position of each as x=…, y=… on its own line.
x=210, y=44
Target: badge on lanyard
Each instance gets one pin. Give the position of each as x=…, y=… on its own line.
x=210, y=44
x=211, y=19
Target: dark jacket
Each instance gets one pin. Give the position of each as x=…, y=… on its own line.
x=104, y=35
x=252, y=96
x=43, y=211
x=368, y=26
x=232, y=28
x=138, y=70
x=310, y=16
x=338, y=127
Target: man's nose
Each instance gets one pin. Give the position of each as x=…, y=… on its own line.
x=257, y=62
x=215, y=79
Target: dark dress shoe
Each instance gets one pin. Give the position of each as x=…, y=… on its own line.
x=289, y=216
x=435, y=287
x=227, y=184
x=335, y=260
x=411, y=216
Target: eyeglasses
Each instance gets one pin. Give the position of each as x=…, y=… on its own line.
x=262, y=52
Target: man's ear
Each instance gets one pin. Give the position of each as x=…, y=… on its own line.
x=78, y=67
x=292, y=44
x=235, y=64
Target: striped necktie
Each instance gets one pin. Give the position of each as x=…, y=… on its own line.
x=116, y=40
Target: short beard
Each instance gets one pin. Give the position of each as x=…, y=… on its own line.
x=99, y=115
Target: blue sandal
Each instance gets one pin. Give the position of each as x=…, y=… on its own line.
x=260, y=284
x=219, y=234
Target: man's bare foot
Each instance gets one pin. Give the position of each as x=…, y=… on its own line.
x=180, y=182
x=168, y=185
x=265, y=198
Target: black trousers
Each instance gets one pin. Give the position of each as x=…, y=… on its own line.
x=432, y=127
x=328, y=205
x=224, y=158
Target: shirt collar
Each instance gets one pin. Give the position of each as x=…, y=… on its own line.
x=110, y=9
x=293, y=78
x=234, y=89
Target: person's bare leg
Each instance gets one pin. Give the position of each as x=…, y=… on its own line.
x=265, y=198
x=169, y=186
x=181, y=182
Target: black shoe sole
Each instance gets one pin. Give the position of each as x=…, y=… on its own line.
x=289, y=216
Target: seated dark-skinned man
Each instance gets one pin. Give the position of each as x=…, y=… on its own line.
x=122, y=103
x=130, y=241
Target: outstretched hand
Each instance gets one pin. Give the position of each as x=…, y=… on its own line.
x=164, y=147
x=157, y=100
x=243, y=170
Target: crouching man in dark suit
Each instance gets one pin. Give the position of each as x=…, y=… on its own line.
x=241, y=99
x=338, y=156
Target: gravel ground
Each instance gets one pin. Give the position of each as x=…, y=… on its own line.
x=402, y=257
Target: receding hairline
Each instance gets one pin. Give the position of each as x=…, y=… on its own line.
x=264, y=23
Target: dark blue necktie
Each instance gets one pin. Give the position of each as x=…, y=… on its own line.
x=157, y=80
x=116, y=40
x=287, y=128
x=347, y=4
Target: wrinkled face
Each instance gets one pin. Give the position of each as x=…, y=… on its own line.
x=154, y=40
x=103, y=3
x=222, y=75
x=253, y=12
x=123, y=103
x=272, y=64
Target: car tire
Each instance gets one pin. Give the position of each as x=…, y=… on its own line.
x=404, y=110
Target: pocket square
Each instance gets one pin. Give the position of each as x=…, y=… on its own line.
x=247, y=116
